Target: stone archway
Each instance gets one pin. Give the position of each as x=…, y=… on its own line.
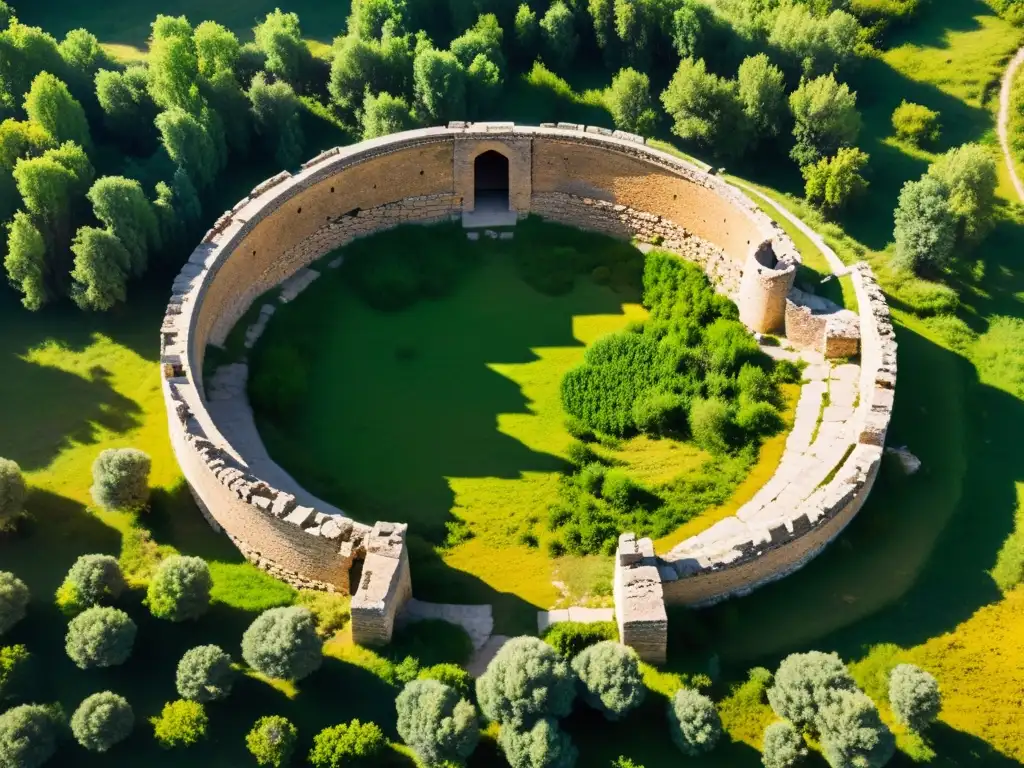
x=490, y=181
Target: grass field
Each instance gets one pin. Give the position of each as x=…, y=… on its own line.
x=912, y=571
x=449, y=413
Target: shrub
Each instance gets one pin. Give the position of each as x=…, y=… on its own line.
x=205, y=674
x=579, y=430
x=758, y=418
x=783, y=746
x=282, y=642
x=330, y=610
x=754, y=384
x=436, y=723
x=620, y=490
x=28, y=736
x=12, y=494
x=694, y=722
x=15, y=665
x=582, y=454
x=571, y=638
x=832, y=182
x=852, y=732
x=101, y=721
x=601, y=275
x=1008, y=571
x=590, y=479
x=787, y=372
x=660, y=413
x=14, y=597
x=120, y=478
x=925, y=230
x=916, y=123
x=545, y=745
x=272, y=741
x=525, y=681
x=100, y=637
x=804, y=682
x=914, y=696
x=969, y=175
x=180, y=724
x=452, y=675
x=348, y=744
x=610, y=679
x=90, y=581
x=710, y=424
x=180, y=589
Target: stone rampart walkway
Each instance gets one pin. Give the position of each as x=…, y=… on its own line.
x=823, y=434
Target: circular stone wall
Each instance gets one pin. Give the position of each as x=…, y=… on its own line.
x=587, y=177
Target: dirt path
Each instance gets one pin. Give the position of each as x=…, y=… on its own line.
x=834, y=262
x=1004, y=118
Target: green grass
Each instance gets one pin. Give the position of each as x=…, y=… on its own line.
x=449, y=412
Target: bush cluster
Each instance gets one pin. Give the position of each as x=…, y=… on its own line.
x=914, y=696
x=654, y=376
x=436, y=722
x=120, y=478
x=272, y=741
x=180, y=589
x=283, y=643
x=91, y=580
x=12, y=494
x=14, y=596
x=15, y=669
x=571, y=638
x=205, y=674
x=100, y=637
x=610, y=678
x=28, y=735
x=181, y=723
x=693, y=722
x=349, y=744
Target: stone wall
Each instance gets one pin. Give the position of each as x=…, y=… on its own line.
x=602, y=180
x=767, y=279
x=813, y=322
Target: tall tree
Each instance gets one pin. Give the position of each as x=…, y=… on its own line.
x=50, y=105
x=275, y=109
x=128, y=109
x=280, y=39
x=360, y=66
x=83, y=56
x=101, y=269
x=706, y=109
x=123, y=207
x=629, y=101
x=527, y=33
x=826, y=118
x=174, y=69
x=926, y=228
x=484, y=38
x=231, y=104
x=24, y=53
x=384, y=114
x=762, y=89
x=369, y=18
x=189, y=145
x=439, y=81
x=559, y=32
x=217, y=48
x=969, y=173
x=25, y=261
x=17, y=139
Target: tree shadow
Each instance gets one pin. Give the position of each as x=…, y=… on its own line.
x=931, y=27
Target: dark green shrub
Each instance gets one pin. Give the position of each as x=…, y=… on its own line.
x=555, y=547
x=601, y=275
x=272, y=741
x=620, y=490
x=787, y=372
x=570, y=638
x=591, y=478
x=15, y=672
x=758, y=418
x=14, y=597
x=914, y=696
x=525, y=681
x=610, y=678
x=579, y=430
x=544, y=745
x=711, y=424
x=120, y=478
x=582, y=454
x=100, y=637
x=205, y=674
x=660, y=413
x=803, y=684
x=28, y=736
x=452, y=675
x=783, y=746
x=12, y=494
x=852, y=732
x=693, y=722
x=180, y=589
x=754, y=384
x=430, y=642
x=438, y=724
x=283, y=643
x=90, y=581
x=180, y=724
x=102, y=720
x=729, y=345
x=349, y=744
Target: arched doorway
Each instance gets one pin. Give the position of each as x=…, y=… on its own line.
x=490, y=181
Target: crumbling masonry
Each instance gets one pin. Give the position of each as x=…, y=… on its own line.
x=583, y=176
